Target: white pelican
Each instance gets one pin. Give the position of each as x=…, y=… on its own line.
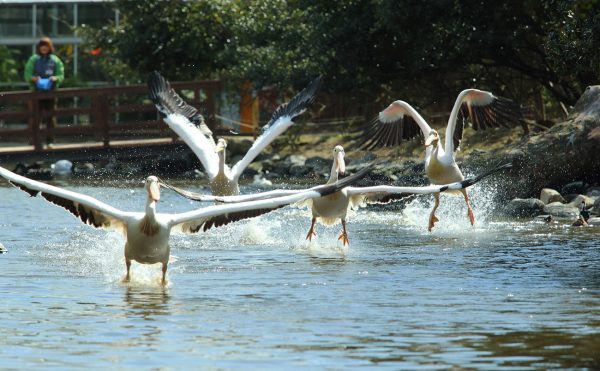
x=147, y=232
x=185, y=120
x=333, y=207
x=400, y=121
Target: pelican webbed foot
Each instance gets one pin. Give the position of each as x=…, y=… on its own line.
x=163, y=281
x=311, y=231
x=344, y=238
x=432, y=220
x=344, y=235
x=471, y=215
x=127, y=275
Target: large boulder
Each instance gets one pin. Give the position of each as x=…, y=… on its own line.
x=528, y=207
x=561, y=210
x=593, y=221
x=549, y=195
x=589, y=202
x=568, y=151
x=574, y=187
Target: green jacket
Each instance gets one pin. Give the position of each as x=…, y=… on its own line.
x=59, y=71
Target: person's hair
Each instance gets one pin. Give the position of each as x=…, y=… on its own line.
x=45, y=41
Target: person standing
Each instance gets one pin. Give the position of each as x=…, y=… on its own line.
x=44, y=71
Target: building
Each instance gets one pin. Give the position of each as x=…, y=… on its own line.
x=23, y=22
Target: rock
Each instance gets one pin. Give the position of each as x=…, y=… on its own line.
x=597, y=205
x=589, y=202
x=296, y=160
x=561, y=210
x=524, y=207
x=574, y=187
x=549, y=195
x=2, y=249
x=594, y=221
x=544, y=218
x=570, y=197
x=62, y=168
x=593, y=192
x=318, y=164
x=298, y=170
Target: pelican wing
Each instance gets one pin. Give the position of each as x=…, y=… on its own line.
x=359, y=196
x=218, y=215
x=399, y=122
x=184, y=120
x=231, y=199
x=90, y=210
x=281, y=120
x=483, y=110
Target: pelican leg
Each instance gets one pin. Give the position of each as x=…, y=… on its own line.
x=164, y=274
x=432, y=218
x=311, y=231
x=470, y=213
x=128, y=265
x=344, y=235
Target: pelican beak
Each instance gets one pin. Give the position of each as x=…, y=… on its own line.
x=154, y=191
x=341, y=164
x=220, y=147
x=430, y=139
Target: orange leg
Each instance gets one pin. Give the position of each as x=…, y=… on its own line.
x=344, y=235
x=164, y=274
x=469, y=209
x=432, y=218
x=128, y=265
x=311, y=231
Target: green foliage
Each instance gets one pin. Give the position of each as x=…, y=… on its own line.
x=9, y=67
x=368, y=50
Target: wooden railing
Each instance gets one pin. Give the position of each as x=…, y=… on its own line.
x=100, y=114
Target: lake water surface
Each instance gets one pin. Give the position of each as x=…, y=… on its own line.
x=255, y=295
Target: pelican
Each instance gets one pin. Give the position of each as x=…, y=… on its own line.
x=147, y=232
x=185, y=120
x=400, y=121
x=330, y=208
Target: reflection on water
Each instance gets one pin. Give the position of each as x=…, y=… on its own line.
x=501, y=295
x=147, y=302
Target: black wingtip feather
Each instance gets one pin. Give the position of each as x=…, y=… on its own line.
x=298, y=104
x=345, y=182
x=167, y=101
x=470, y=181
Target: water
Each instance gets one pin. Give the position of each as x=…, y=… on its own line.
x=255, y=295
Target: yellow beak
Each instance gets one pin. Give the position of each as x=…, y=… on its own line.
x=341, y=164
x=154, y=191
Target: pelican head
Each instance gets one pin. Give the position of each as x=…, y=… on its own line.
x=432, y=139
x=338, y=159
x=221, y=145
x=152, y=186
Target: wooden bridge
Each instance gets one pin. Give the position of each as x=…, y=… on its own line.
x=93, y=120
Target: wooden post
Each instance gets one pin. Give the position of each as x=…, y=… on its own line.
x=34, y=122
x=210, y=107
x=100, y=112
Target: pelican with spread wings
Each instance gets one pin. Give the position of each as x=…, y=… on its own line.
x=400, y=121
x=147, y=232
x=189, y=124
x=333, y=207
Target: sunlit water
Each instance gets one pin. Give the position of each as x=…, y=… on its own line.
x=255, y=295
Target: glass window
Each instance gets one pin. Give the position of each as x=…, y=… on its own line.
x=54, y=20
x=15, y=20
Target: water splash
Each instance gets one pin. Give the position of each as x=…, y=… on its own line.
x=100, y=253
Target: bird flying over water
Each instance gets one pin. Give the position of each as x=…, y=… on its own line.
x=400, y=122
x=189, y=124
